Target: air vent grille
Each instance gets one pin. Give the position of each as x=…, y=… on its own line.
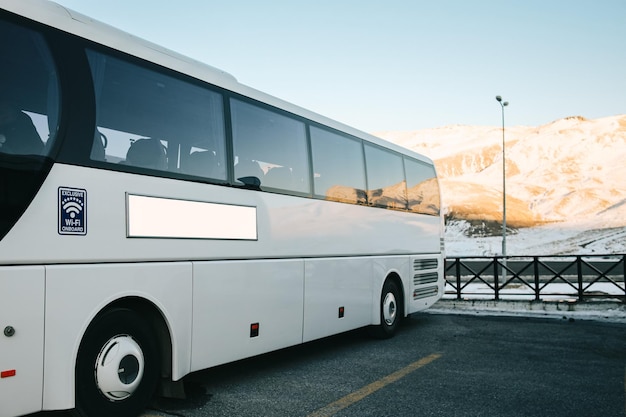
x=427, y=278
x=424, y=292
x=421, y=264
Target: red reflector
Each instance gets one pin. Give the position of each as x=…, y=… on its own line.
x=7, y=374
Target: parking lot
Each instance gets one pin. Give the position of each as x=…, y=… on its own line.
x=438, y=365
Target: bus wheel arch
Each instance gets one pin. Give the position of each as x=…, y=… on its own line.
x=121, y=358
x=390, y=307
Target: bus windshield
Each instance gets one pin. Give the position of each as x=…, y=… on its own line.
x=29, y=114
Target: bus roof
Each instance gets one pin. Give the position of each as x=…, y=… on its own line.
x=67, y=20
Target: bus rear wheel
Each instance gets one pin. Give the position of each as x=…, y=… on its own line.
x=117, y=369
x=391, y=311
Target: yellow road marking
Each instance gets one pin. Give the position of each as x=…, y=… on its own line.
x=334, y=407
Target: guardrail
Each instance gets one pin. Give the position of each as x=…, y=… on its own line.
x=539, y=278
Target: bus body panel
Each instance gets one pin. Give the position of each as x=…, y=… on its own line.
x=333, y=284
x=231, y=298
x=21, y=339
x=75, y=294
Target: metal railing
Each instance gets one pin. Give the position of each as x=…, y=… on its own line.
x=539, y=278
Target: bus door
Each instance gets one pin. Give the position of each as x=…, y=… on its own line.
x=21, y=339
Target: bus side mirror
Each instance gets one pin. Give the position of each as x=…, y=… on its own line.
x=252, y=183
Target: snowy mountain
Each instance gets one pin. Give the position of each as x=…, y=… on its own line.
x=565, y=185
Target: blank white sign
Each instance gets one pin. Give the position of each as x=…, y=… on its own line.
x=172, y=218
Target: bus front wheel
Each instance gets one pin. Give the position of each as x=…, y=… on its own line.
x=391, y=311
x=117, y=369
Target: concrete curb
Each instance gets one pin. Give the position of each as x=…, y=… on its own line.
x=600, y=310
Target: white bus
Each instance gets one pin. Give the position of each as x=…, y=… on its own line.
x=159, y=218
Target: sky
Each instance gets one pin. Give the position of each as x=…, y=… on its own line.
x=402, y=64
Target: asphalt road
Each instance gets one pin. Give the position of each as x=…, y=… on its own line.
x=437, y=365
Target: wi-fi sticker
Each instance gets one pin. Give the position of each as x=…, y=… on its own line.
x=72, y=211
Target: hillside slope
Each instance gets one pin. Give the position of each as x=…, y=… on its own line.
x=566, y=175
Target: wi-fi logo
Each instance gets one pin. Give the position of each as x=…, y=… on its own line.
x=72, y=208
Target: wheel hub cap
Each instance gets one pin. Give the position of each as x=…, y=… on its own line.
x=119, y=368
x=389, y=309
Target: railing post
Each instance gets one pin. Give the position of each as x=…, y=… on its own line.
x=579, y=269
x=458, y=278
x=624, y=276
x=536, y=271
x=495, y=278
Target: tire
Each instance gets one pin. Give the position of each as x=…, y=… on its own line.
x=118, y=366
x=391, y=311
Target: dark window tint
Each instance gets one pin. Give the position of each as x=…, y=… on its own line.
x=29, y=114
x=29, y=94
x=147, y=119
x=385, y=179
x=422, y=187
x=270, y=149
x=338, y=167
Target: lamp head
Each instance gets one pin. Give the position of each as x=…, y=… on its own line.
x=506, y=103
x=499, y=98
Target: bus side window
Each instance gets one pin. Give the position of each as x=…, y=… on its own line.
x=270, y=147
x=385, y=178
x=29, y=92
x=156, y=120
x=422, y=187
x=338, y=166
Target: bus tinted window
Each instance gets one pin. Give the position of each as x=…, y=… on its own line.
x=422, y=187
x=270, y=149
x=29, y=114
x=338, y=167
x=385, y=179
x=29, y=95
x=151, y=120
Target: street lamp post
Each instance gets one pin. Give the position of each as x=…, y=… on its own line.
x=503, y=104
